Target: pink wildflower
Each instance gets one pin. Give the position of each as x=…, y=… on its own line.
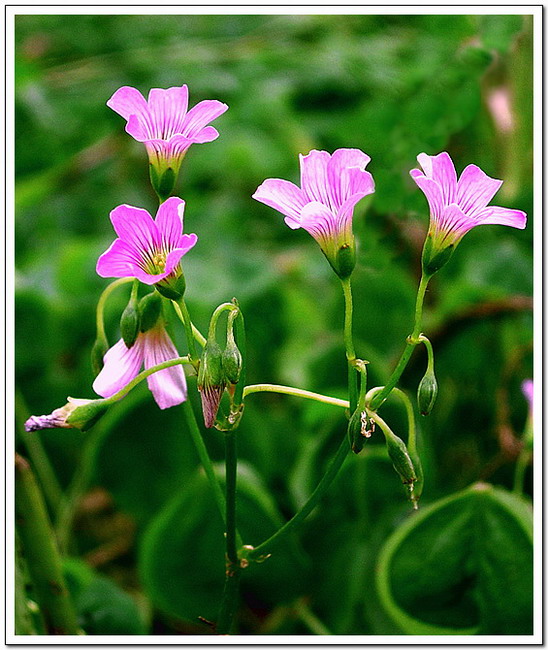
x=146, y=249
x=165, y=127
x=527, y=389
x=457, y=206
x=331, y=185
x=75, y=414
x=122, y=364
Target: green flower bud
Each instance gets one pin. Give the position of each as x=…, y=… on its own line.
x=100, y=348
x=401, y=460
x=129, y=322
x=427, y=392
x=173, y=287
x=150, y=308
x=211, y=382
x=434, y=258
x=76, y=414
x=232, y=362
x=163, y=181
x=360, y=428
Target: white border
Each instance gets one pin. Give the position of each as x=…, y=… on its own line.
x=243, y=9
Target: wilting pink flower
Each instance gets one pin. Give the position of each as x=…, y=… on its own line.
x=458, y=206
x=146, y=249
x=122, y=364
x=331, y=185
x=75, y=414
x=163, y=124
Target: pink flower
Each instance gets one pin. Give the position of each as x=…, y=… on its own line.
x=331, y=185
x=122, y=364
x=165, y=127
x=146, y=249
x=457, y=206
x=75, y=414
x=527, y=390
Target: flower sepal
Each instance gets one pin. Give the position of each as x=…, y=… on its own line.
x=435, y=257
x=75, y=414
x=130, y=321
x=427, y=392
x=173, y=287
x=211, y=381
x=163, y=180
x=150, y=308
x=345, y=261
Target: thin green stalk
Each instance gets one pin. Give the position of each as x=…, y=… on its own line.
x=102, y=302
x=412, y=341
x=312, y=502
x=229, y=603
x=185, y=317
x=239, y=331
x=296, y=392
x=412, y=429
x=41, y=554
x=349, y=345
x=38, y=457
x=307, y=616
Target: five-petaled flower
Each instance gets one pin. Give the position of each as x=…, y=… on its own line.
x=165, y=127
x=147, y=249
x=457, y=206
x=331, y=185
x=122, y=364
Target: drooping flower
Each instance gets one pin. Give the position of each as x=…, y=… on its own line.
x=122, y=364
x=75, y=414
x=147, y=249
x=331, y=185
x=457, y=206
x=165, y=127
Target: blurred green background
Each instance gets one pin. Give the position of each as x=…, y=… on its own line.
x=393, y=86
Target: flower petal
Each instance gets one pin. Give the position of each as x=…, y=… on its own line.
x=319, y=221
x=431, y=190
x=168, y=386
x=346, y=176
x=169, y=222
x=137, y=128
x=475, y=189
x=454, y=222
x=283, y=196
x=136, y=227
x=121, y=365
x=503, y=216
x=168, y=110
x=440, y=168
x=314, y=176
x=174, y=256
x=200, y=116
x=207, y=134
x=128, y=101
x=119, y=261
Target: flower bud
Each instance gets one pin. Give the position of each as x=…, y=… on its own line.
x=129, y=322
x=173, y=287
x=433, y=258
x=427, y=392
x=100, y=348
x=150, y=308
x=76, y=414
x=401, y=460
x=211, y=382
x=359, y=429
x=232, y=360
x=163, y=181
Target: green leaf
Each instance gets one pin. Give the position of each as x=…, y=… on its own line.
x=103, y=607
x=182, y=552
x=450, y=568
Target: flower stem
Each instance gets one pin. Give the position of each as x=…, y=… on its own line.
x=312, y=502
x=40, y=551
x=102, y=302
x=411, y=342
x=296, y=392
x=229, y=603
x=349, y=344
x=189, y=330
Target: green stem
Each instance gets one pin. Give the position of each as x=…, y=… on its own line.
x=349, y=345
x=189, y=330
x=522, y=463
x=41, y=554
x=102, y=302
x=412, y=429
x=226, y=306
x=307, y=616
x=232, y=577
x=296, y=392
x=239, y=331
x=412, y=341
x=313, y=500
